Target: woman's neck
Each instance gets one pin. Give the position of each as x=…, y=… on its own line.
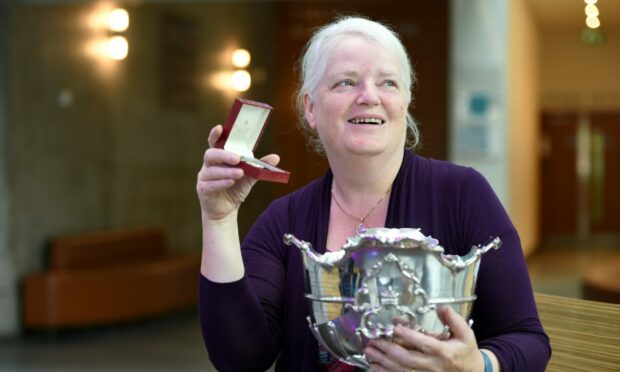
x=363, y=179
x=360, y=196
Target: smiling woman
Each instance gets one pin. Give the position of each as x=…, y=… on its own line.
x=316, y=65
x=360, y=103
x=353, y=103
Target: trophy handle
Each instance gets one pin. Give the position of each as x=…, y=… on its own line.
x=457, y=263
x=328, y=260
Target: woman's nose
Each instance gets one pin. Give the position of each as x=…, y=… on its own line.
x=367, y=95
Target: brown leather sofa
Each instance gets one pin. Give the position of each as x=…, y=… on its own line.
x=109, y=277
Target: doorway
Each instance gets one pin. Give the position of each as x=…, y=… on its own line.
x=580, y=191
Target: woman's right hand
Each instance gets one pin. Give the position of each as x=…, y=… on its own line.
x=221, y=186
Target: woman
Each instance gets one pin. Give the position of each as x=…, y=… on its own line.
x=356, y=90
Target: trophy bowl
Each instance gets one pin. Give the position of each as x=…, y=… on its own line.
x=380, y=278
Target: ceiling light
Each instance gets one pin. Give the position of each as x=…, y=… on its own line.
x=593, y=22
x=592, y=10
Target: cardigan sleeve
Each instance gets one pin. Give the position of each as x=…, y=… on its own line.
x=505, y=316
x=241, y=321
x=233, y=326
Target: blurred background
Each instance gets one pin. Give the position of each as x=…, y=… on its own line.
x=105, y=109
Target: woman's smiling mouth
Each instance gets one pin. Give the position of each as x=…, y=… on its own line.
x=368, y=121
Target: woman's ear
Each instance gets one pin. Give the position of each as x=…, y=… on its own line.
x=309, y=110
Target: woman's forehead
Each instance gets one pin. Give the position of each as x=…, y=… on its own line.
x=347, y=51
x=355, y=41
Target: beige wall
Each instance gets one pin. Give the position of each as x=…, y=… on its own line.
x=576, y=76
x=523, y=93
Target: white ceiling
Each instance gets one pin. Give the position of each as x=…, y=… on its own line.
x=569, y=14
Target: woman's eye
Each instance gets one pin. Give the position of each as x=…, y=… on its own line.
x=345, y=83
x=390, y=83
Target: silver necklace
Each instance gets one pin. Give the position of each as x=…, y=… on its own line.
x=362, y=227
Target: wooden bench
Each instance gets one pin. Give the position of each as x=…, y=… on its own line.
x=585, y=335
x=109, y=277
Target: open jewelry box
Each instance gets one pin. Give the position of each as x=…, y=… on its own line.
x=242, y=131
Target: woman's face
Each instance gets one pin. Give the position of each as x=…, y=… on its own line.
x=360, y=104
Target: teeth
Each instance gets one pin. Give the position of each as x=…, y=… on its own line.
x=374, y=121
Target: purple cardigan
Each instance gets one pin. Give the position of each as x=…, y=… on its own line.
x=249, y=323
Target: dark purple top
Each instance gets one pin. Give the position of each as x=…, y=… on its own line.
x=249, y=323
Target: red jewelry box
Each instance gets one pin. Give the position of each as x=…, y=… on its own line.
x=242, y=131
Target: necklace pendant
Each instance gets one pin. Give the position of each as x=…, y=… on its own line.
x=361, y=228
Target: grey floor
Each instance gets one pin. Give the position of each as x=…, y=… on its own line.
x=173, y=343
x=559, y=269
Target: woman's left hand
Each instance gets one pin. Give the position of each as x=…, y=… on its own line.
x=415, y=351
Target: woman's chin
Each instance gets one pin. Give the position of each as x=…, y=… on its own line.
x=367, y=149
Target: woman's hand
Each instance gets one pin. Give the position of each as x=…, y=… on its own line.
x=415, y=351
x=221, y=186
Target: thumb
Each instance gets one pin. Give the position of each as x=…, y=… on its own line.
x=271, y=159
x=457, y=324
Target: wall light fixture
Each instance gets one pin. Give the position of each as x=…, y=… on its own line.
x=234, y=76
x=240, y=58
x=118, y=20
x=117, y=47
x=240, y=80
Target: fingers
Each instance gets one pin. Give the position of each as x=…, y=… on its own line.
x=458, y=326
x=215, y=156
x=214, y=173
x=420, y=351
x=206, y=187
x=392, y=357
x=271, y=159
x=215, y=134
x=411, y=339
x=216, y=178
x=218, y=171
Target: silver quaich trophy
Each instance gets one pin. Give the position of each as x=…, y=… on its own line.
x=380, y=278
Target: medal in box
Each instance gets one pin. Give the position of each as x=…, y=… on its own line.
x=242, y=131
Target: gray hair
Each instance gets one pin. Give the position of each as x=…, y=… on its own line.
x=313, y=63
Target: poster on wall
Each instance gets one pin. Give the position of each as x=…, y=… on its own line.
x=478, y=126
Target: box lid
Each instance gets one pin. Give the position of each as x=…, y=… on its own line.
x=244, y=127
x=242, y=130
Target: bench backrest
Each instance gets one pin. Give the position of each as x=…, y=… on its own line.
x=585, y=335
x=109, y=248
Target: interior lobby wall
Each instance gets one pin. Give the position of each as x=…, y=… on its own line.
x=524, y=125
x=576, y=76
x=90, y=144
x=8, y=277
